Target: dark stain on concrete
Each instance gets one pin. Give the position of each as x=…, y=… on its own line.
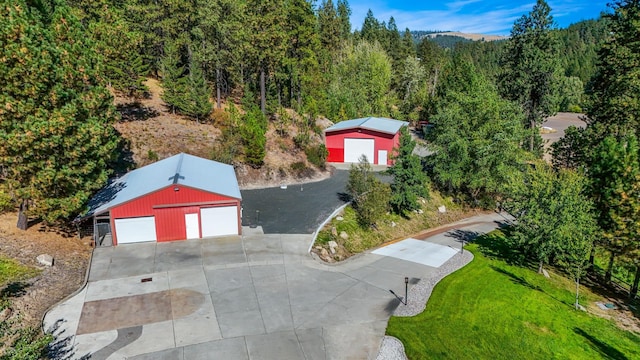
x=136, y=310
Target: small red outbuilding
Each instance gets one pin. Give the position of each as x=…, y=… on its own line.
x=181, y=197
x=372, y=137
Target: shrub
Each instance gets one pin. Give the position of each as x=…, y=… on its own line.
x=298, y=166
x=152, y=155
x=6, y=202
x=317, y=155
x=574, y=109
x=301, y=140
x=220, y=118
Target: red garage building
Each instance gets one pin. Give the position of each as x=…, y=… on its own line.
x=181, y=197
x=373, y=137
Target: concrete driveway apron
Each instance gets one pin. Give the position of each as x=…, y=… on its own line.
x=252, y=297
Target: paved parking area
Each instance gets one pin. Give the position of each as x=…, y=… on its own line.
x=255, y=297
x=252, y=297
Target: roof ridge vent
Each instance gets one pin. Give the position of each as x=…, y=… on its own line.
x=177, y=176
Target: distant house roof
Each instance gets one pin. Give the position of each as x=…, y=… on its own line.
x=182, y=169
x=384, y=125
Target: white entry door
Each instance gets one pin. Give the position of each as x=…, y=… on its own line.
x=382, y=157
x=355, y=148
x=193, y=226
x=218, y=221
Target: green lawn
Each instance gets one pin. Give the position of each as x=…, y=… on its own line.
x=492, y=310
x=12, y=271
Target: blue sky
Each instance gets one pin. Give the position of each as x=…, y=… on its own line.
x=471, y=16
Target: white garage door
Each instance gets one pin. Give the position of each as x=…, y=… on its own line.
x=355, y=148
x=133, y=230
x=219, y=221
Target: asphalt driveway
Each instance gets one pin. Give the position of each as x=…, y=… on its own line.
x=298, y=209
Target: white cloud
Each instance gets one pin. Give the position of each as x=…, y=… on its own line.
x=498, y=20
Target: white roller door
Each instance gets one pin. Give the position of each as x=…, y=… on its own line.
x=134, y=230
x=355, y=148
x=218, y=221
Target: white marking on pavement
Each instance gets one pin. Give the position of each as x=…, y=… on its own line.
x=418, y=251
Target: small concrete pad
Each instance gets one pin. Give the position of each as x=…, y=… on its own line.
x=418, y=251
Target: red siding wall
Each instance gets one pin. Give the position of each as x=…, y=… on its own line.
x=170, y=223
x=335, y=143
x=169, y=207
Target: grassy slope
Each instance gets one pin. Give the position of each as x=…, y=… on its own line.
x=12, y=271
x=492, y=310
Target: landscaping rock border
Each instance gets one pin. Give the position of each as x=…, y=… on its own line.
x=392, y=348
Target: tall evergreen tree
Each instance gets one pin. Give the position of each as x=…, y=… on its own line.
x=118, y=46
x=409, y=180
x=301, y=62
x=371, y=29
x=195, y=100
x=614, y=173
x=615, y=92
x=344, y=14
x=172, y=76
x=267, y=38
x=531, y=68
x=219, y=40
x=56, y=135
x=330, y=28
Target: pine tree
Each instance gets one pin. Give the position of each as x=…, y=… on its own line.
x=254, y=129
x=615, y=93
x=614, y=173
x=531, y=69
x=267, y=38
x=173, y=82
x=195, y=100
x=301, y=62
x=219, y=41
x=56, y=135
x=409, y=180
x=344, y=13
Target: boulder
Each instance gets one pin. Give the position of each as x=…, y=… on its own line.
x=332, y=244
x=45, y=259
x=334, y=231
x=339, y=218
x=324, y=253
x=344, y=235
x=393, y=224
x=442, y=209
x=420, y=211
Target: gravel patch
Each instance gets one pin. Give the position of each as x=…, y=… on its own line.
x=391, y=348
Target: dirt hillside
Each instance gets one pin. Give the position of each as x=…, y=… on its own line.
x=155, y=133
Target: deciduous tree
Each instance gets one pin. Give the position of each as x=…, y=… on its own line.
x=553, y=217
x=476, y=136
x=369, y=196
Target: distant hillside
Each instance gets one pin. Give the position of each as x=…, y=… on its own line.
x=421, y=34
